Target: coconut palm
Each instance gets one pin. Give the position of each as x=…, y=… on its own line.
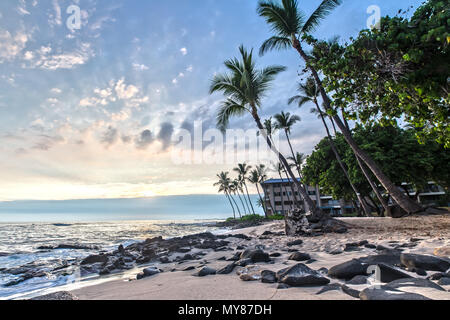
x=237, y=187
x=285, y=122
x=290, y=26
x=224, y=184
x=232, y=189
x=245, y=86
x=254, y=178
x=297, y=162
x=243, y=170
x=309, y=93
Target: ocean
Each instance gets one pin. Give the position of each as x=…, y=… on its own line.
x=28, y=229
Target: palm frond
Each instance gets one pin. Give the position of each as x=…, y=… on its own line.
x=275, y=43
x=228, y=109
x=324, y=9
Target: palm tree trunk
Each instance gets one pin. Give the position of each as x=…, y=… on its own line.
x=281, y=189
x=399, y=197
x=249, y=200
x=317, y=214
x=234, y=211
x=246, y=203
x=235, y=203
x=242, y=202
x=263, y=202
x=366, y=209
x=367, y=174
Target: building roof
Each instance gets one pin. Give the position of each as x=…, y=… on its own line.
x=274, y=181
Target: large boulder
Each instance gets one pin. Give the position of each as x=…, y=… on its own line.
x=389, y=274
x=227, y=269
x=256, y=255
x=301, y=275
x=299, y=256
x=348, y=270
x=205, y=271
x=95, y=259
x=389, y=294
x=428, y=263
x=414, y=282
x=268, y=276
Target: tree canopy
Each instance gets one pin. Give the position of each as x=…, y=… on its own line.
x=397, y=150
x=400, y=71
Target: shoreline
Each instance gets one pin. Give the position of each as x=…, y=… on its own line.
x=177, y=282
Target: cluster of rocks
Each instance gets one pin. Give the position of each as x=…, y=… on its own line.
x=154, y=250
x=300, y=223
x=381, y=276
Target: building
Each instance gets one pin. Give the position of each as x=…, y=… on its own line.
x=279, y=198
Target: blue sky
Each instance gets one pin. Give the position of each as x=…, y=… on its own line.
x=89, y=113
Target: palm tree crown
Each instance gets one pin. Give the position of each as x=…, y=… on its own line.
x=288, y=22
x=309, y=92
x=284, y=121
x=244, y=86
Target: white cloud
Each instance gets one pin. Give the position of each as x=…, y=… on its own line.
x=125, y=92
x=47, y=60
x=11, y=46
x=183, y=51
x=56, y=91
x=139, y=67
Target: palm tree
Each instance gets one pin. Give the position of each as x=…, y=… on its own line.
x=297, y=162
x=224, y=184
x=232, y=190
x=290, y=26
x=244, y=88
x=237, y=188
x=255, y=179
x=243, y=169
x=284, y=121
x=309, y=93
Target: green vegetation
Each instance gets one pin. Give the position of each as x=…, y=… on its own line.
x=398, y=72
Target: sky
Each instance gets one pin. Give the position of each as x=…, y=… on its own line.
x=89, y=111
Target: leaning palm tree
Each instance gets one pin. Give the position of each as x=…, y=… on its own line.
x=309, y=93
x=237, y=190
x=297, y=162
x=254, y=178
x=245, y=86
x=223, y=184
x=285, y=122
x=290, y=26
x=232, y=191
x=243, y=169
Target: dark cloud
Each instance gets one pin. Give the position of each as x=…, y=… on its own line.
x=165, y=134
x=47, y=142
x=126, y=139
x=144, y=139
x=110, y=137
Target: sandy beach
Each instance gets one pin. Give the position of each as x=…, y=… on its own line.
x=424, y=235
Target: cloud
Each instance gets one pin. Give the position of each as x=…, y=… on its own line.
x=139, y=67
x=183, y=51
x=110, y=137
x=44, y=59
x=11, y=46
x=165, y=134
x=144, y=140
x=125, y=92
